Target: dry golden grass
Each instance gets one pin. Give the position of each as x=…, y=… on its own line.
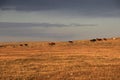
x=80, y=60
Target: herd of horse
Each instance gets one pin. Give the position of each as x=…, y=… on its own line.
x=98, y=39
x=53, y=43
x=92, y=40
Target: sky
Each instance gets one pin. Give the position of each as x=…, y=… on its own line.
x=58, y=20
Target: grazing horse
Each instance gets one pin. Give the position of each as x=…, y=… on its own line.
x=93, y=40
x=2, y=46
x=98, y=39
x=105, y=39
x=52, y=43
x=26, y=44
x=21, y=44
x=70, y=41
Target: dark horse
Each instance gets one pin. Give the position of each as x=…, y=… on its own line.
x=70, y=41
x=93, y=40
x=52, y=43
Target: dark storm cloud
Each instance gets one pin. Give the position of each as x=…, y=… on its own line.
x=118, y=3
x=31, y=5
x=84, y=7
x=25, y=25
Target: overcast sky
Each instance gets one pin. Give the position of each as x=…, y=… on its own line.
x=58, y=20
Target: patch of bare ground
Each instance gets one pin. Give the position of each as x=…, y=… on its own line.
x=76, y=60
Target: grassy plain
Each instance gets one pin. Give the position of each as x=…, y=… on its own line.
x=80, y=60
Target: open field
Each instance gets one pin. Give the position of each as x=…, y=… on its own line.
x=76, y=60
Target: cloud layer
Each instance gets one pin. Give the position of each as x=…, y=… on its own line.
x=58, y=4
x=58, y=19
x=24, y=25
x=84, y=7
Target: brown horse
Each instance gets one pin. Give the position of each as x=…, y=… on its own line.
x=70, y=41
x=26, y=44
x=52, y=43
x=98, y=39
x=105, y=39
